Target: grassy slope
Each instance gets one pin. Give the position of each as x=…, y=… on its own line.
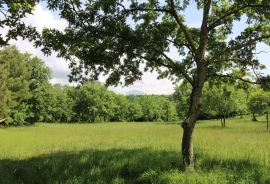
x=134, y=153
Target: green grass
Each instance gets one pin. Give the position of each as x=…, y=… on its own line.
x=134, y=153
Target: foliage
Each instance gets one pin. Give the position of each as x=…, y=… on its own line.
x=15, y=84
x=124, y=34
x=93, y=103
x=182, y=96
x=11, y=19
x=39, y=85
x=218, y=100
x=135, y=112
x=259, y=103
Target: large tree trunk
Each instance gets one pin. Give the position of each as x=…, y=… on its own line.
x=189, y=123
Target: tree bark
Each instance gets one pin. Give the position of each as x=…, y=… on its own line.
x=189, y=123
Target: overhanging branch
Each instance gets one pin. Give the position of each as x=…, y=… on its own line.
x=182, y=27
x=219, y=21
x=233, y=77
x=181, y=69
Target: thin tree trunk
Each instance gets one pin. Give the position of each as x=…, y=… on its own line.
x=267, y=121
x=221, y=121
x=254, y=117
x=189, y=123
x=224, y=121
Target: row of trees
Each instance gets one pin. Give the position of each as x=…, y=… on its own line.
x=223, y=100
x=27, y=96
x=92, y=102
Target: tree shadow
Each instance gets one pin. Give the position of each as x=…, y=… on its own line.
x=112, y=166
x=235, y=170
x=89, y=166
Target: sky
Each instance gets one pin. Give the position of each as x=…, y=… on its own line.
x=149, y=84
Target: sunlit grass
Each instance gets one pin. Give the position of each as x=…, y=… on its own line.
x=134, y=153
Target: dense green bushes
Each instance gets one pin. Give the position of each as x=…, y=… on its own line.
x=26, y=96
x=92, y=102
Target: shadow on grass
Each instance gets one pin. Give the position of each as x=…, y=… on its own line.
x=89, y=166
x=111, y=166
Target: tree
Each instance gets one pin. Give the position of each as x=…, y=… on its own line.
x=258, y=104
x=120, y=108
x=116, y=37
x=220, y=100
x=4, y=92
x=11, y=19
x=15, y=85
x=39, y=84
x=93, y=103
x=134, y=109
x=181, y=97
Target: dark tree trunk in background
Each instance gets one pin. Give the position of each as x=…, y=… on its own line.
x=189, y=123
x=267, y=121
x=221, y=121
x=254, y=117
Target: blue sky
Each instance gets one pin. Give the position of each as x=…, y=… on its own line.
x=150, y=85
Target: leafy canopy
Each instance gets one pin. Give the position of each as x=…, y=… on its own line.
x=12, y=13
x=126, y=37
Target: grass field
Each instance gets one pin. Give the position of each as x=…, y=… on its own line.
x=134, y=153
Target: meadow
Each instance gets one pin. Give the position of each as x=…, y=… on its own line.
x=134, y=153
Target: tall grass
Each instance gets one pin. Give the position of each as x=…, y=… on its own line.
x=134, y=153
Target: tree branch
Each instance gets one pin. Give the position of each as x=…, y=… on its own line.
x=241, y=46
x=126, y=11
x=232, y=77
x=181, y=69
x=218, y=22
x=204, y=29
x=182, y=27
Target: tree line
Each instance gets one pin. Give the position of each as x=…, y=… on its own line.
x=224, y=99
x=26, y=96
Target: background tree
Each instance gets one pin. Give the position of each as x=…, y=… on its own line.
x=39, y=84
x=116, y=37
x=219, y=100
x=93, y=103
x=134, y=109
x=181, y=97
x=258, y=104
x=4, y=92
x=121, y=105
x=15, y=84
